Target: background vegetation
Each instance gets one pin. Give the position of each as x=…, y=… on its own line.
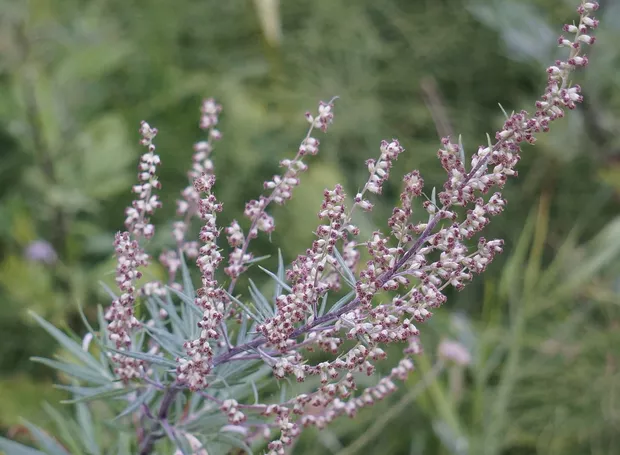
x=542, y=325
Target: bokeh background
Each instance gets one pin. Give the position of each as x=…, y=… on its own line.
x=542, y=325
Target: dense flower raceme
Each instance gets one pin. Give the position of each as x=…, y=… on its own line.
x=131, y=257
x=415, y=262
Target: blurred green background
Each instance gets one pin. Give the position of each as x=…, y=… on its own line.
x=542, y=325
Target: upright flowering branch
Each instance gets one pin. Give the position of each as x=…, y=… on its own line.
x=130, y=257
x=211, y=297
x=281, y=187
x=187, y=206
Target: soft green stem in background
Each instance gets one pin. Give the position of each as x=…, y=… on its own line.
x=510, y=373
x=428, y=380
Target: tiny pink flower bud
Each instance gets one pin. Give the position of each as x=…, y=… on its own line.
x=591, y=6
x=587, y=39
x=569, y=28
x=590, y=22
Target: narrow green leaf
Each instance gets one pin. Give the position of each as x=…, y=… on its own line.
x=87, y=430
x=124, y=444
x=108, y=290
x=189, y=301
x=46, y=442
x=179, y=327
x=344, y=270
x=188, y=286
x=260, y=301
x=281, y=278
x=462, y=151
x=76, y=371
x=343, y=301
x=114, y=392
x=246, y=309
x=255, y=391
x=170, y=343
x=236, y=442
x=181, y=442
x=99, y=339
x=280, y=283
x=323, y=304
x=65, y=427
x=104, y=337
x=141, y=398
x=190, y=313
x=70, y=345
x=13, y=448
x=243, y=330
x=154, y=359
x=258, y=259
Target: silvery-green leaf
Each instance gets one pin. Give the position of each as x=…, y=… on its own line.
x=76, y=371
x=99, y=339
x=169, y=342
x=108, y=290
x=343, y=301
x=43, y=440
x=323, y=304
x=188, y=286
x=246, y=309
x=243, y=330
x=189, y=311
x=124, y=444
x=103, y=338
x=179, y=326
x=194, y=401
x=278, y=289
x=255, y=391
x=87, y=430
x=108, y=393
x=260, y=301
x=189, y=301
x=258, y=259
x=208, y=421
x=462, y=151
x=344, y=270
x=65, y=427
x=13, y=448
x=141, y=398
x=157, y=360
x=234, y=441
x=70, y=345
x=280, y=283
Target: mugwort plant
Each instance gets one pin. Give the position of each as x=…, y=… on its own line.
x=189, y=365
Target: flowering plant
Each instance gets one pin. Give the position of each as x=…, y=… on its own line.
x=191, y=369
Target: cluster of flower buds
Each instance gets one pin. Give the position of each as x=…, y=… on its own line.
x=137, y=221
x=187, y=206
x=281, y=190
x=307, y=270
x=230, y=407
x=120, y=313
x=130, y=257
x=211, y=297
